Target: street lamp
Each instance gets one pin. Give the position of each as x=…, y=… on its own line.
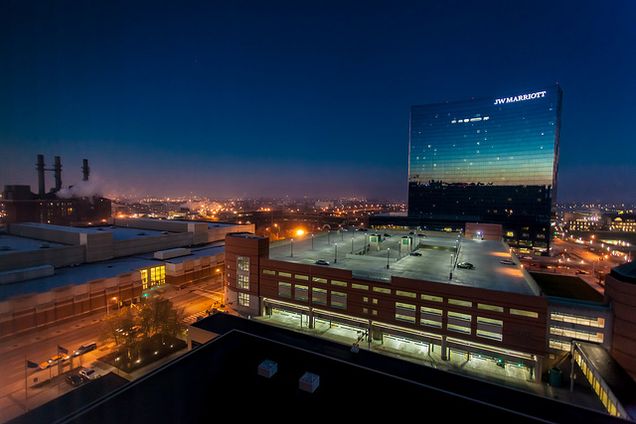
x=450, y=273
x=335, y=259
x=291, y=245
x=388, y=250
x=312, y=241
x=114, y=299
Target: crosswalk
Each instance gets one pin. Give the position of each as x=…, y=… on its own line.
x=195, y=317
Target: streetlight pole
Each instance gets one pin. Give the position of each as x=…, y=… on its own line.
x=312, y=241
x=291, y=245
x=388, y=250
x=352, y=244
x=450, y=273
x=335, y=259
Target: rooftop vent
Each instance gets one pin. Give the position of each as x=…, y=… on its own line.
x=267, y=368
x=309, y=382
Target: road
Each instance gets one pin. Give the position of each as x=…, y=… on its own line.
x=38, y=346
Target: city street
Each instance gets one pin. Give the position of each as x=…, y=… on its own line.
x=40, y=345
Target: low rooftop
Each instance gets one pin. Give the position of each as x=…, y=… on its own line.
x=119, y=233
x=11, y=244
x=72, y=275
x=567, y=287
x=434, y=264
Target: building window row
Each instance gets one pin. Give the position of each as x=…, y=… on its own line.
x=575, y=334
x=597, y=322
x=559, y=345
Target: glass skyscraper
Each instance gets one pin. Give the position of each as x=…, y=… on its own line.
x=489, y=160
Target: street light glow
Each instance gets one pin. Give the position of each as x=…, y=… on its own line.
x=300, y=232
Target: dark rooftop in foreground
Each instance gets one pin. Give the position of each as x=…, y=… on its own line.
x=566, y=286
x=219, y=378
x=625, y=272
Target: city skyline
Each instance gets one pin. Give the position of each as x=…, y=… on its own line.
x=248, y=100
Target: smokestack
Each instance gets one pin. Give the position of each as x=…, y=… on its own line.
x=58, y=173
x=85, y=170
x=40, y=168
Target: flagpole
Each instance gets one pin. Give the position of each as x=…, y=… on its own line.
x=26, y=384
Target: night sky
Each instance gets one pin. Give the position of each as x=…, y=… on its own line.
x=251, y=98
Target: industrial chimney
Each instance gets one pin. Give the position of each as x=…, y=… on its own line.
x=85, y=170
x=58, y=173
x=40, y=168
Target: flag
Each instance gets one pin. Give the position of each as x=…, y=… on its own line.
x=62, y=349
x=31, y=364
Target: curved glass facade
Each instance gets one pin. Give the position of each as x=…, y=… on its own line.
x=488, y=160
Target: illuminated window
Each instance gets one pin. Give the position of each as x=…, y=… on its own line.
x=458, y=302
x=374, y=312
x=597, y=322
x=144, y=278
x=374, y=301
x=405, y=294
x=244, y=299
x=284, y=289
x=284, y=274
x=523, y=313
x=458, y=328
x=269, y=272
x=301, y=293
x=576, y=334
x=484, y=320
x=431, y=298
x=431, y=323
x=318, y=296
x=301, y=277
x=489, y=307
x=319, y=280
x=339, y=283
x=365, y=310
x=359, y=286
x=243, y=263
x=431, y=311
x=457, y=315
x=338, y=300
x=382, y=290
x=559, y=345
x=489, y=335
x=243, y=281
x=365, y=299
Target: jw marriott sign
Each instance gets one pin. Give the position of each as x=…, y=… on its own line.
x=520, y=98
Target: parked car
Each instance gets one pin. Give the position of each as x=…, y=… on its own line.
x=415, y=254
x=89, y=373
x=582, y=271
x=321, y=262
x=85, y=348
x=74, y=380
x=421, y=235
x=44, y=365
x=506, y=262
x=465, y=265
x=387, y=235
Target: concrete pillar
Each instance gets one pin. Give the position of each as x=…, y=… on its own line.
x=445, y=355
x=311, y=319
x=538, y=369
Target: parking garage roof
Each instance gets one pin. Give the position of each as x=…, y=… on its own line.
x=434, y=264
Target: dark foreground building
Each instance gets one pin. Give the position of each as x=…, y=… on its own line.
x=488, y=160
x=222, y=379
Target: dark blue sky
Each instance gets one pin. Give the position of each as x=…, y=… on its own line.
x=243, y=98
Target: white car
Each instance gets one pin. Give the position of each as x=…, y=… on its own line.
x=89, y=373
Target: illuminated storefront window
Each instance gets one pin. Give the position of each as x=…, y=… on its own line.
x=152, y=277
